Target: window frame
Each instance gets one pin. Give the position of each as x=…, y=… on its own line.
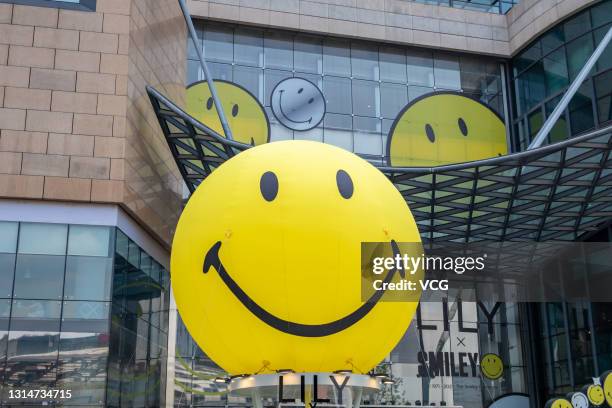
x=83, y=5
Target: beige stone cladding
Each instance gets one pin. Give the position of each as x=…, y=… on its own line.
x=401, y=21
x=75, y=124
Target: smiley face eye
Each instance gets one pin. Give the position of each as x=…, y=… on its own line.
x=462, y=127
x=345, y=184
x=268, y=186
x=430, y=133
x=235, y=109
x=209, y=103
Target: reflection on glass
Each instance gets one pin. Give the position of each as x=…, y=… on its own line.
x=218, y=44
x=338, y=130
x=273, y=78
x=308, y=54
x=393, y=65
x=88, y=278
x=364, y=61
x=393, y=99
x=39, y=276
x=278, y=50
x=603, y=90
x=47, y=239
x=8, y=237
x=337, y=93
x=368, y=138
x=420, y=68
x=366, y=98
x=337, y=57
x=581, y=109
x=88, y=240
x=578, y=51
x=251, y=79
x=446, y=72
x=248, y=47
x=7, y=272
x=555, y=71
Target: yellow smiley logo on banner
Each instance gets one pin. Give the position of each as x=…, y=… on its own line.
x=245, y=115
x=606, y=380
x=558, y=403
x=595, y=393
x=445, y=128
x=266, y=261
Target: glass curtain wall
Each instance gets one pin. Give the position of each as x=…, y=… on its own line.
x=573, y=340
x=365, y=84
x=489, y=6
x=139, y=328
x=544, y=70
x=56, y=297
x=55, y=285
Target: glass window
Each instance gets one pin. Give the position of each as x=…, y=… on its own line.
x=278, y=50
x=415, y=92
x=218, y=44
x=605, y=60
x=88, y=278
x=393, y=65
x=337, y=93
x=248, y=47
x=251, y=79
x=364, y=61
x=555, y=71
x=527, y=57
x=536, y=120
x=420, y=68
x=48, y=239
x=552, y=39
x=39, y=277
x=191, y=50
x=273, y=78
x=7, y=271
x=219, y=71
x=35, y=315
x=122, y=244
x=337, y=57
x=368, y=138
x=393, y=99
x=446, y=72
x=559, y=131
x=308, y=55
x=602, y=13
x=85, y=317
x=603, y=89
x=366, y=98
x=578, y=51
x=339, y=130
x=88, y=240
x=581, y=109
x=8, y=237
x=577, y=26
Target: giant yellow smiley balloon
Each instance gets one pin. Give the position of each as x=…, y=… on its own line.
x=266, y=264
x=445, y=128
x=246, y=117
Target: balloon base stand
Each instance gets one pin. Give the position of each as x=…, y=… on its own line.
x=305, y=390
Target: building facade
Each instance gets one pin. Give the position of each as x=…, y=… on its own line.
x=90, y=193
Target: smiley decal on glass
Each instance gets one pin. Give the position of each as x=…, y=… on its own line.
x=298, y=104
x=245, y=115
x=445, y=128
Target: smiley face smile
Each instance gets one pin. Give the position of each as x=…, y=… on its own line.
x=297, y=329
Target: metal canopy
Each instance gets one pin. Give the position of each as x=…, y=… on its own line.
x=556, y=192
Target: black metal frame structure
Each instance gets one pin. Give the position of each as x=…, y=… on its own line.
x=556, y=192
